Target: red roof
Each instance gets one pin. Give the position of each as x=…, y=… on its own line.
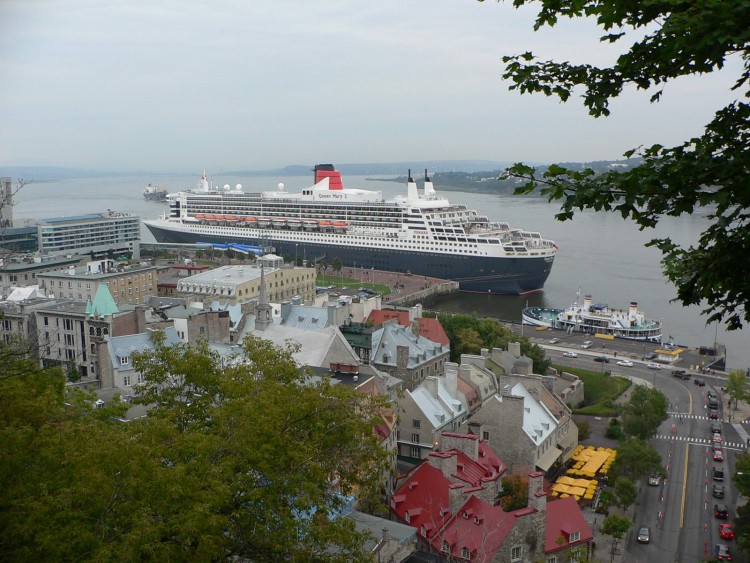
x=478, y=527
x=564, y=517
x=489, y=459
x=429, y=328
x=423, y=497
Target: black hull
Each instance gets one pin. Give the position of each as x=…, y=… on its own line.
x=507, y=275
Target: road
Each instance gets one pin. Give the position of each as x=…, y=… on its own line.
x=680, y=510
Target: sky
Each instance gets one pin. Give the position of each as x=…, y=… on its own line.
x=178, y=86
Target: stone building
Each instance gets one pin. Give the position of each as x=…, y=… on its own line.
x=127, y=283
x=241, y=283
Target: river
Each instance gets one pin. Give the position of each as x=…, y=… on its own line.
x=599, y=253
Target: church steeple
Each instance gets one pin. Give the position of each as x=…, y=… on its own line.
x=264, y=316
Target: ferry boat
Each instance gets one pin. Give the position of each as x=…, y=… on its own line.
x=155, y=193
x=420, y=232
x=598, y=318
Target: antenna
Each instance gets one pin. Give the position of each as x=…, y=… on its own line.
x=410, y=180
x=426, y=177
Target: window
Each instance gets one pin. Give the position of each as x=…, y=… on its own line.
x=415, y=451
x=415, y=423
x=465, y=553
x=415, y=438
x=485, y=435
x=445, y=547
x=126, y=380
x=575, y=536
x=124, y=360
x=552, y=559
x=516, y=552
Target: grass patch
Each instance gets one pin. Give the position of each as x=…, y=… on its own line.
x=599, y=391
x=350, y=283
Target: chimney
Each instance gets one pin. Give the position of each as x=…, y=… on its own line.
x=286, y=308
x=455, y=497
x=386, y=536
x=514, y=348
x=445, y=462
x=451, y=380
x=467, y=444
x=415, y=328
x=537, y=496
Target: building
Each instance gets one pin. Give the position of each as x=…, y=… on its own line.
x=69, y=333
x=99, y=235
x=405, y=353
x=23, y=272
x=128, y=283
x=241, y=283
x=452, y=500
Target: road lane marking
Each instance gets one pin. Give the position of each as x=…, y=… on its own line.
x=684, y=487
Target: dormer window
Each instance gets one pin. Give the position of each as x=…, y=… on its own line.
x=575, y=536
x=445, y=547
x=124, y=360
x=465, y=553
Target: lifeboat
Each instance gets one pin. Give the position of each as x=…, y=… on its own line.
x=310, y=224
x=278, y=222
x=250, y=222
x=294, y=224
x=340, y=226
x=325, y=225
x=231, y=218
x=200, y=217
x=263, y=222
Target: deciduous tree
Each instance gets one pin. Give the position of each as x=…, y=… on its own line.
x=644, y=412
x=736, y=386
x=248, y=458
x=635, y=459
x=663, y=40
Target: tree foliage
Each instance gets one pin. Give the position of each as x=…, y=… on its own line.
x=644, y=412
x=635, y=459
x=736, y=386
x=616, y=526
x=250, y=460
x=469, y=333
x=625, y=491
x=665, y=40
x=515, y=493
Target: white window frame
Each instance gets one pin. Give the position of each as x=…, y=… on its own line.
x=516, y=553
x=575, y=536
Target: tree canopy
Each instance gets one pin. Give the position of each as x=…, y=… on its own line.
x=665, y=40
x=644, y=412
x=251, y=460
x=636, y=459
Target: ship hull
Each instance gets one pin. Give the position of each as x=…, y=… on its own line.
x=501, y=275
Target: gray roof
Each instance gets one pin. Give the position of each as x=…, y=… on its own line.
x=374, y=525
x=435, y=411
x=386, y=341
x=307, y=318
x=124, y=346
x=538, y=422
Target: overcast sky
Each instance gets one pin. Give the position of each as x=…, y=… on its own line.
x=184, y=85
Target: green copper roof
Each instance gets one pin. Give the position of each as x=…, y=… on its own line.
x=104, y=305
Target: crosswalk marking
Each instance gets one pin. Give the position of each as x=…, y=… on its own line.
x=700, y=441
x=686, y=416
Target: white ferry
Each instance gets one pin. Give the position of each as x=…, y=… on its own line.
x=420, y=233
x=599, y=318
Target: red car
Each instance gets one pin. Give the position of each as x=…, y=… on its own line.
x=718, y=454
x=726, y=531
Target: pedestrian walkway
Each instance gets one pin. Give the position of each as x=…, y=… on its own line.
x=686, y=416
x=740, y=446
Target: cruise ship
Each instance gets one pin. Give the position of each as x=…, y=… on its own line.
x=419, y=233
x=596, y=318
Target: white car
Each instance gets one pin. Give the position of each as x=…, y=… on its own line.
x=625, y=363
x=570, y=355
x=554, y=340
x=587, y=344
x=653, y=366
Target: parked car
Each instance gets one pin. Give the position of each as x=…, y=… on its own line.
x=602, y=359
x=726, y=531
x=718, y=454
x=716, y=428
x=587, y=344
x=723, y=553
x=650, y=356
x=718, y=491
x=681, y=373
x=644, y=534
x=720, y=511
x=718, y=474
x=713, y=414
x=625, y=363
x=699, y=382
x=711, y=395
x=654, y=479
x=570, y=355
x=653, y=366
x=716, y=438
x=554, y=340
